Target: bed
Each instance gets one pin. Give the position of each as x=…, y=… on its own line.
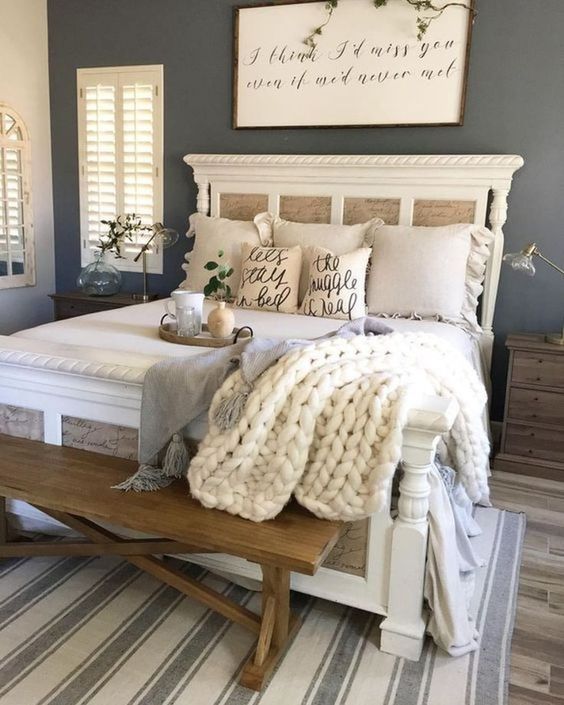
x=79, y=381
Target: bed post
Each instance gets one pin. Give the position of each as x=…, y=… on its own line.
x=497, y=219
x=203, y=198
x=403, y=630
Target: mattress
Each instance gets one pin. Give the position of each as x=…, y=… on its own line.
x=130, y=335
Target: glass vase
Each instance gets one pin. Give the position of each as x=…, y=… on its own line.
x=99, y=278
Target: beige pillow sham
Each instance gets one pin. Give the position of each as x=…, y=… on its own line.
x=269, y=278
x=429, y=272
x=336, y=283
x=337, y=238
x=215, y=234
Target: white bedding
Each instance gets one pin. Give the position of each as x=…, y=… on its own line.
x=129, y=336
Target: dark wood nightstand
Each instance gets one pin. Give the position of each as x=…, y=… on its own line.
x=532, y=442
x=76, y=303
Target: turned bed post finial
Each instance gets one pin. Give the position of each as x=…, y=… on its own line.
x=403, y=630
x=203, y=199
x=497, y=219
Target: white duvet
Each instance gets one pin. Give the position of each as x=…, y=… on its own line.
x=129, y=336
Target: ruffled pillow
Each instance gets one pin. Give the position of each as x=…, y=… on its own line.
x=214, y=234
x=429, y=272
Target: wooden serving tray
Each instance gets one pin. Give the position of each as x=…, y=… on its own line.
x=167, y=332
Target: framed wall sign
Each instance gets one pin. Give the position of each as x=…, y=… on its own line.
x=367, y=68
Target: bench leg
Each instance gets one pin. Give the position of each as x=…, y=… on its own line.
x=278, y=627
x=275, y=626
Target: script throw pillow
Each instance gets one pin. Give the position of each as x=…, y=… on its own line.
x=336, y=284
x=270, y=278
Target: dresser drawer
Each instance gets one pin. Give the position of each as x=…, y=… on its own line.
x=538, y=368
x=537, y=406
x=532, y=442
x=70, y=309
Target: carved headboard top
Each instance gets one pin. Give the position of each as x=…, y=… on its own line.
x=401, y=189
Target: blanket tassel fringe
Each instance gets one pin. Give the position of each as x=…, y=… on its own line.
x=229, y=410
x=176, y=458
x=149, y=478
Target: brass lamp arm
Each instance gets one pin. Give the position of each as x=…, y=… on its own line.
x=545, y=259
x=531, y=250
x=145, y=247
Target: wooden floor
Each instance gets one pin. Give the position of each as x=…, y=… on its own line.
x=537, y=655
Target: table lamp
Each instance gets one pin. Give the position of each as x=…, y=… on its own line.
x=523, y=262
x=163, y=237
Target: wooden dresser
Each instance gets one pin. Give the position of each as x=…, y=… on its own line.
x=77, y=303
x=532, y=442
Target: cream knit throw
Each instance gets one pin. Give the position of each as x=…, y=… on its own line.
x=325, y=424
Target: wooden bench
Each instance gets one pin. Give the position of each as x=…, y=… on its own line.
x=70, y=485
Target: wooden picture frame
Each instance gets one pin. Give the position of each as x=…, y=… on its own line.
x=280, y=83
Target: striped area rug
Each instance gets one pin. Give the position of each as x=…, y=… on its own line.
x=99, y=631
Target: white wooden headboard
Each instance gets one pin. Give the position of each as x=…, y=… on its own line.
x=419, y=190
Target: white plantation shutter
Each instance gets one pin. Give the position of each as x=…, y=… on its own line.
x=100, y=163
x=17, y=259
x=138, y=150
x=121, y=151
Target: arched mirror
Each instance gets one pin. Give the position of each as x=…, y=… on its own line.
x=17, y=259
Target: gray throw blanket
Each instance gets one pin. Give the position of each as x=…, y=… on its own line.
x=178, y=390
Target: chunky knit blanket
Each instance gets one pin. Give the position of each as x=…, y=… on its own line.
x=325, y=424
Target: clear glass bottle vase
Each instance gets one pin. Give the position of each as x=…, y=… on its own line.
x=99, y=278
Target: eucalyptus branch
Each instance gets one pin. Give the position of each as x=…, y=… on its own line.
x=310, y=40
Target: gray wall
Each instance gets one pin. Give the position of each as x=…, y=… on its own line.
x=515, y=105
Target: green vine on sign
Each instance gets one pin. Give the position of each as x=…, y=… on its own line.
x=423, y=21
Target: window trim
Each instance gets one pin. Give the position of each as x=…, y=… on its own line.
x=28, y=278
x=154, y=260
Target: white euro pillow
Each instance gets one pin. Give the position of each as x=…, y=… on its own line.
x=340, y=239
x=428, y=272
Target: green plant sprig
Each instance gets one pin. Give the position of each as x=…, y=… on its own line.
x=423, y=22
x=216, y=287
x=121, y=230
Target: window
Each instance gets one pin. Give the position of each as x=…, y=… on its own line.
x=120, y=140
x=17, y=258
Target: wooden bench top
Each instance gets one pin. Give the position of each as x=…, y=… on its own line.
x=79, y=482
